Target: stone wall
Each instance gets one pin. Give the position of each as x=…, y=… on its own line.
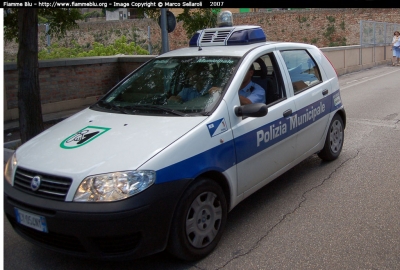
x=321, y=27
x=71, y=82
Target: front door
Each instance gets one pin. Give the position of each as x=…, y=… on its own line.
x=264, y=145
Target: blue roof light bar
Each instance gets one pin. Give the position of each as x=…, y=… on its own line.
x=225, y=36
x=193, y=40
x=247, y=37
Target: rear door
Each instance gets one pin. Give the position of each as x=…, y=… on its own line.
x=312, y=99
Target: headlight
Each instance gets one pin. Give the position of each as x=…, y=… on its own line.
x=113, y=186
x=10, y=167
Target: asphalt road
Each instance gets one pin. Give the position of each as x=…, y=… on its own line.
x=319, y=215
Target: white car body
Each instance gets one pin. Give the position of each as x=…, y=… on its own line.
x=241, y=153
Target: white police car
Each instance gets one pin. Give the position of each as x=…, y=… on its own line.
x=159, y=161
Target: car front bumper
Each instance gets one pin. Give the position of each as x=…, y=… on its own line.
x=132, y=228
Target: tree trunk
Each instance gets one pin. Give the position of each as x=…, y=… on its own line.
x=29, y=102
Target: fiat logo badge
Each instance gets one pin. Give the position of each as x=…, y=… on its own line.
x=35, y=183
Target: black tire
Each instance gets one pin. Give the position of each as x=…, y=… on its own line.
x=199, y=221
x=334, y=140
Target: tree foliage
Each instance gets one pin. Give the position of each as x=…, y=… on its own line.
x=93, y=14
x=195, y=19
x=120, y=46
x=59, y=19
x=152, y=13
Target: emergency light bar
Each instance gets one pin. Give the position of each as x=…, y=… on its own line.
x=225, y=36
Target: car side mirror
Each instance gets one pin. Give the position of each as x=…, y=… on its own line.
x=252, y=110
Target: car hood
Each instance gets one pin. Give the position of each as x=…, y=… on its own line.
x=92, y=142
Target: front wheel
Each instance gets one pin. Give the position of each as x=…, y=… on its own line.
x=199, y=221
x=334, y=140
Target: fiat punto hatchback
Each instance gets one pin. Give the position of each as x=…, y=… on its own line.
x=159, y=161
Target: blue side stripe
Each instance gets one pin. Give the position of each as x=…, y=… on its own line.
x=250, y=143
x=219, y=158
x=246, y=144
x=222, y=157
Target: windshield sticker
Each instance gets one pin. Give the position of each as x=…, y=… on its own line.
x=83, y=136
x=161, y=61
x=224, y=61
x=217, y=127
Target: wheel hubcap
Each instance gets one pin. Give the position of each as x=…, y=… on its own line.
x=203, y=219
x=336, y=136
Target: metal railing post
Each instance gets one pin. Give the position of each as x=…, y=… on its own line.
x=361, y=43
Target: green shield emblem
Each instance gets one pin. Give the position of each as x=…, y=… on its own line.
x=83, y=136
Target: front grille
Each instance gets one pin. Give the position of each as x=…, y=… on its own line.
x=51, y=186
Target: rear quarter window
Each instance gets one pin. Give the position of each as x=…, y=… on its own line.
x=303, y=70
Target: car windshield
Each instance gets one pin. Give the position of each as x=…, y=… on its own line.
x=171, y=86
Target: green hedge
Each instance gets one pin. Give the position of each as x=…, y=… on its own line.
x=120, y=46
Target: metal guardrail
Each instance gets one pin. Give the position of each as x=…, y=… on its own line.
x=377, y=33
x=374, y=34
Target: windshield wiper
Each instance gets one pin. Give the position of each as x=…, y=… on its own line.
x=165, y=109
x=109, y=106
x=137, y=107
x=148, y=106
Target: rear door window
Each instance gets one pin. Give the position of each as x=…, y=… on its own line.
x=303, y=70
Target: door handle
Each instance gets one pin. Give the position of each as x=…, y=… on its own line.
x=287, y=113
x=325, y=92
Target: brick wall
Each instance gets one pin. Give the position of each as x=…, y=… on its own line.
x=72, y=79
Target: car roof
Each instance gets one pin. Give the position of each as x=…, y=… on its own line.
x=237, y=51
x=233, y=51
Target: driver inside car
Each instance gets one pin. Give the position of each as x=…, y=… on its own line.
x=249, y=92
x=198, y=84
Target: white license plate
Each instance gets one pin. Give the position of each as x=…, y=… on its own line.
x=31, y=220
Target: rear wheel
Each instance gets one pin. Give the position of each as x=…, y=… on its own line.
x=334, y=140
x=198, y=221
